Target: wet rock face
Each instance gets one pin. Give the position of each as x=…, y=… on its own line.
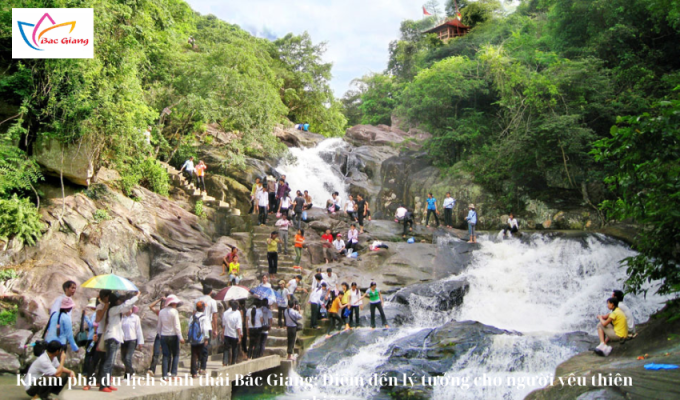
x=436, y=296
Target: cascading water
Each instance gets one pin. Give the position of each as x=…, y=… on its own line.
x=309, y=171
x=541, y=289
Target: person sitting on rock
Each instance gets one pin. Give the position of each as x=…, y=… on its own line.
x=339, y=245
x=333, y=205
x=626, y=311
x=306, y=127
x=228, y=259
x=512, y=226
x=234, y=271
x=612, y=327
x=308, y=201
x=352, y=239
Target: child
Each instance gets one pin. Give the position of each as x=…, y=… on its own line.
x=472, y=222
x=299, y=243
x=234, y=271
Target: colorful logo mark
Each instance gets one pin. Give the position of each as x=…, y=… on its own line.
x=22, y=25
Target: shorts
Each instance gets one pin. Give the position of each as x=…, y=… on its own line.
x=471, y=229
x=609, y=332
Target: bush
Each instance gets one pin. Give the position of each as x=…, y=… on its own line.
x=20, y=219
x=198, y=209
x=101, y=215
x=7, y=274
x=149, y=174
x=8, y=316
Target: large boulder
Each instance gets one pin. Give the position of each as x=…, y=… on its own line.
x=9, y=362
x=75, y=161
x=14, y=340
x=438, y=296
x=296, y=138
x=381, y=135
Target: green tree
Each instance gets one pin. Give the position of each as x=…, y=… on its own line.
x=643, y=153
x=379, y=98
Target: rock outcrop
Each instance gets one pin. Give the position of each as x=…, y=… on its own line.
x=75, y=161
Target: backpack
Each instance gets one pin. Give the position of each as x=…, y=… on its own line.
x=196, y=331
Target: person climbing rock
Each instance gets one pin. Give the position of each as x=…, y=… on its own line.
x=299, y=207
x=200, y=175
x=189, y=167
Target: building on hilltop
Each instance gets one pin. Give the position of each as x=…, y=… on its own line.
x=449, y=29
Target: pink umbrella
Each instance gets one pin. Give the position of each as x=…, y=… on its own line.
x=234, y=292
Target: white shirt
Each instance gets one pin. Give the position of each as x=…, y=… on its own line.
x=102, y=323
x=337, y=201
x=56, y=306
x=263, y=199
x=232, y=323
x=292, y=316
x=266, y=316
x=331, y=280
x=349, y=206
x=42, y=366
x=114, y=328
x=210, y=309
x=169, y=322
x=630, y=321
x=354, y=297
x=132, y=329
x=292, y=285
x=316, y=284
x=315, y=296
x=513, y=222
x=339, y=244
x=258, y=318
x=449, y=202
x=188, y=165
x=285, y=202
x=352, y=236
x=401, y=212
x=283, y=224
x=269, y=285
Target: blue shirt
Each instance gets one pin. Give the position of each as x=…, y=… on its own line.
x=89, y=320
x=431, y=203
x=472, y=217
x=306, y=127
x=65, y=330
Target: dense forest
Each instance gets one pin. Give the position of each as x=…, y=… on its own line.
x=580, y=95
x=144, y=64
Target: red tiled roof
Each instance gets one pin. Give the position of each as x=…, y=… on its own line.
x=451, y=22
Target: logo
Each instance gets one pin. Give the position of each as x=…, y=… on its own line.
x=52, y=33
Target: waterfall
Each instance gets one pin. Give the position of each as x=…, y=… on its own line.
x=542, y=287
x=309, y=171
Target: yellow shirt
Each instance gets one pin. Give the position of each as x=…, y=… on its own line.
x=234, y=268
x=345, y=297
x=619, y=321
x=273, y=245
x=335, y=307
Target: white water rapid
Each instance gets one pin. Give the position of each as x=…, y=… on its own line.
x=541, y=287
x=309, y=171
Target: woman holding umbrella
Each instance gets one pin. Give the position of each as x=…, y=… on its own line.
x=113, y=336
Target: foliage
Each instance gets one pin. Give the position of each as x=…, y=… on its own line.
x=479, y=11
x=96, y=191
x=18, y=172
x=101, y=215
x=20, y=220
x=8, y=316
x=378, y=98
x=148, y=173
x=642, y=154
x=198, y=209
x=7, y=274
x=306, y=91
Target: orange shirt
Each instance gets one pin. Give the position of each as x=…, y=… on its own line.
x=200, y=169
x=335, y=307
x=299, y=240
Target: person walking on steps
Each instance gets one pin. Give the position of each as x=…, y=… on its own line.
x=113, y=337
x=133, y=339
x=262, y=207
x=198, y=337
x=282, y=191
x=449, y=203
x=267, y=320
x=157, y=339
x=292, y=315
x=273, y=244
x=171, y=336
x=376, y=303
x=257, y=187
x=271, y=192
x=299, y=244
x=282, y=297
x=298, y=208
x=283, y=224
x=209, y=322
x=190, y=170
x=93, y=367
x=284, y=205
x=472, y=223
x=254, y=325
x=200, y=175
x=431, y=209
x=233, y=333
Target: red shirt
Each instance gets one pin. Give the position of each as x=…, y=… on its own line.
x=328, y=237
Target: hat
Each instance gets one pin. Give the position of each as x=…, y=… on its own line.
x=339, y=235
x=135, y=309
x=471, y=205
x=67, y=303
x=172, y=299
x=92, y=303
x=282, y=281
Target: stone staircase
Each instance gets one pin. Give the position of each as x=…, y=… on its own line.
x=178, y=180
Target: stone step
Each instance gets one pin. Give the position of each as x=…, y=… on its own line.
x=223, y=205
x=215, y=367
